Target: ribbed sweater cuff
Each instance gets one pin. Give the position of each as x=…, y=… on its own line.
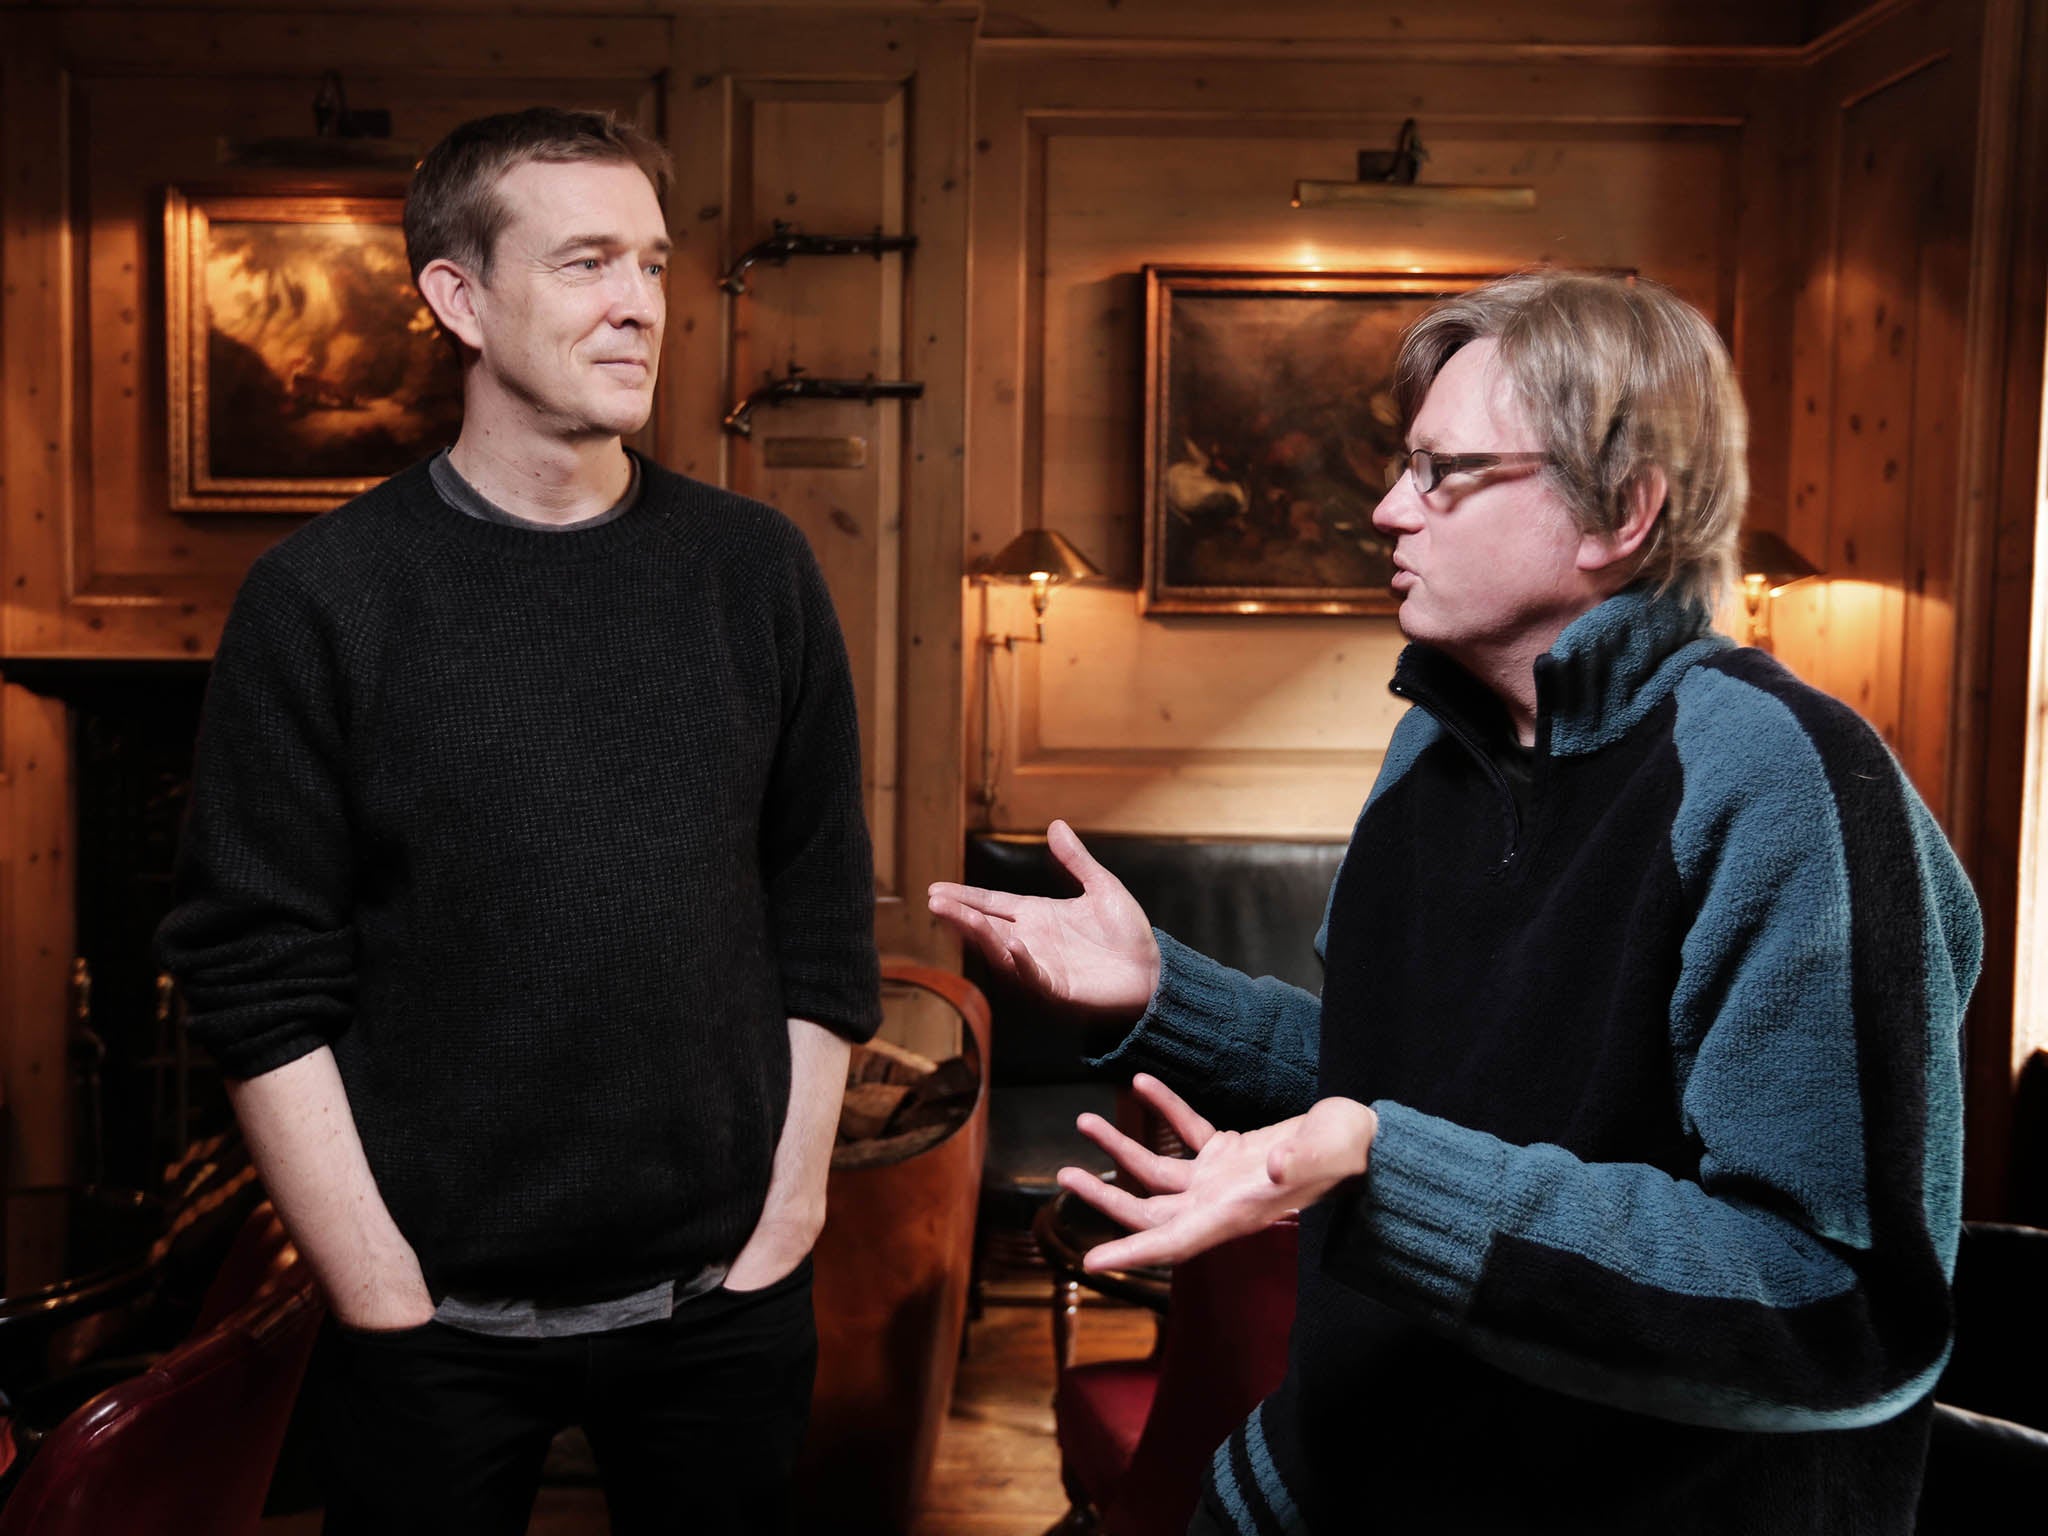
x=1416, y=1228
x=1189, y=1017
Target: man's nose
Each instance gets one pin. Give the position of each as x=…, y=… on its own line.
x=638, y=299
x=1400, y=510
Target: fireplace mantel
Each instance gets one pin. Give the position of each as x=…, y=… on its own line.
x=82, y=679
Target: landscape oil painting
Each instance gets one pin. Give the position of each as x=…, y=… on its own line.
x=304, y=367
x=1270, y=426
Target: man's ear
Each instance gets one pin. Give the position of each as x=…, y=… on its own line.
x=1646, y=494
x=450, y=293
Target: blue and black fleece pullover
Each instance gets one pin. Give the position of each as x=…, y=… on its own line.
x=1658, y=1226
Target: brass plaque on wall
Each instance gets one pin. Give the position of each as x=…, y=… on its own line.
x=814, y=452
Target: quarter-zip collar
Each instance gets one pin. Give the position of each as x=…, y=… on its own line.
x=1469, y=713
x=1609, y=668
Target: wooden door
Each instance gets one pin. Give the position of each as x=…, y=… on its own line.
x=843, y=124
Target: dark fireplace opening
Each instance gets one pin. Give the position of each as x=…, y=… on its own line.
x=140, y=1095
x=151, y=1095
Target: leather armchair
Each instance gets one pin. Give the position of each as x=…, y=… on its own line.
x=186, y=1448
x=1987, y=1456
x=1136, y=1436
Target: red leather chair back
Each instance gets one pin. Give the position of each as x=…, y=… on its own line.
x=257, y=1262
x=186, y=1448
x=1224, y=1352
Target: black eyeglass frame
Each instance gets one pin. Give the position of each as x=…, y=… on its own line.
x=1429, y=467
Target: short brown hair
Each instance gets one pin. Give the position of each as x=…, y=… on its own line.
x=453, y=210
x=1617, y=375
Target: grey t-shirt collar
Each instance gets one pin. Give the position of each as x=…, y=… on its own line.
x=471, y=502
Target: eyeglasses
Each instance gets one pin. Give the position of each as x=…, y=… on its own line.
x=1430, y=468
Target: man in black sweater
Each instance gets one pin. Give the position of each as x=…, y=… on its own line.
x=526, y=898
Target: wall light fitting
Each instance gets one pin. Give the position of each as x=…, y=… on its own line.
x=1769, y=566
x=1044, y=558
x=1387, y=179
x=343, y=139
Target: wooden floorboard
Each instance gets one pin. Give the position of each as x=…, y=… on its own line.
x=998, y=1468
x=997, y=1472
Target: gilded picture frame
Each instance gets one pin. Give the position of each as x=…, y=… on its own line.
x=1269, y=425
x=303, y=367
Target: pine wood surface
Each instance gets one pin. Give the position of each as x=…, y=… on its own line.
x=998, y=1467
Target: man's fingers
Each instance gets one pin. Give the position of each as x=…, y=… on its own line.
x=1190, y=1127
x=1066, y=846
x=1161, y=1175
x=998, y=903
x=1119, y=1205
x=991, y=940
x=1168, y=1243
x=1028, y=970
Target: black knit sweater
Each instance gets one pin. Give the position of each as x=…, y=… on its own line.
x=548, y=833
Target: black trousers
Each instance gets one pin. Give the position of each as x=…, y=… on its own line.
x=694, y=1422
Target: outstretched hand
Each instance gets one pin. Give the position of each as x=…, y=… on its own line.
x=1236, y=1182
x=1094, y=950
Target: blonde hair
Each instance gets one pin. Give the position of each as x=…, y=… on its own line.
x=1618, y=376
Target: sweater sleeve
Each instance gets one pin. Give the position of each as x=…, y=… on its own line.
x=261, y=937
x=1801, y=1281
x=1242, y=1049
x=816, y=863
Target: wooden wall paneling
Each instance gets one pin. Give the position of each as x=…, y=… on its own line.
x=841, y=123
x=1928, y=535
x=1582, y=22
x=1733, y=24
x=1878, y=395
x=1089, y=168
x=419, y=40
x=696, y=369
x=37, y=932
x=938, y=339
x=1875, y=328
x=832, y=158
x=1254, y=93
x=1801, y=619
x=1769, y=237
x=35, y=327
x=36, y=924
x=1996, y=794
x=996, y=385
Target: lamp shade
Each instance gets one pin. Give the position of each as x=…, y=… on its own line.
x=1770, y=561
x=1037, y=554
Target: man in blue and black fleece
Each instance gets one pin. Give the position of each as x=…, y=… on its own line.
x=1626, y=1133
